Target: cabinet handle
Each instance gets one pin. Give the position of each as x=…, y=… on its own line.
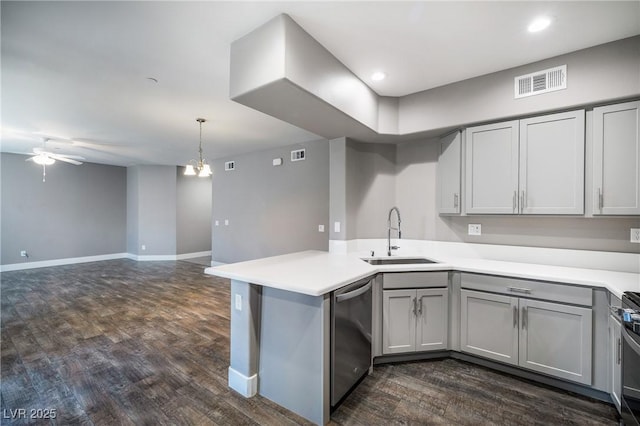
x=455, y=201
x=420, y=305
x=515, y=317
x=515, y=201
x=524, y=317
x=414, y=306
x=600, y=199
x=523, y=201
x=619, y=352
x=519, y=290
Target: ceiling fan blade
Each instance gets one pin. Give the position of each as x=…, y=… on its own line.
x=30, y=158
x=73, y=157
x=65, y=159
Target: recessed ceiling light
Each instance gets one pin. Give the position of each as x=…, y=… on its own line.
x=378, y=75
x=539, y=24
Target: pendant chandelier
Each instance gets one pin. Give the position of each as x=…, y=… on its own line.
x=200, y=166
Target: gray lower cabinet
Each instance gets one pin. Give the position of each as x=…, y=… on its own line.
x=615, y=359
x=616, y=159
x=546, y=337
x=414, y=320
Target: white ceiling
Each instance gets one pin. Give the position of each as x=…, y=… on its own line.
x=78, y=70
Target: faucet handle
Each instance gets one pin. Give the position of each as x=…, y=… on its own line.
x=372, y=253
x=395, y=247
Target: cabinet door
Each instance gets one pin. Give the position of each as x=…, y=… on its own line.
x=552, y=164
x=556, y=339
x=398, y=321
x=615, y=359
x=492, y=169
x=616, y=159
x=449, y=166
x=432, y=319
x=489, y=325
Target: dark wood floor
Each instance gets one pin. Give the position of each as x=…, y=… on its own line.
x=147, y=343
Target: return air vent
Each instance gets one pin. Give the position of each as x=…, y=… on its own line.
x=298, y=155
x=229, y=165
x=540, y=82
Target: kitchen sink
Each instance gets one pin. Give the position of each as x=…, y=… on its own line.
x=399, y=261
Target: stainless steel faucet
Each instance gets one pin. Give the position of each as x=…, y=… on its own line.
x=389, y=228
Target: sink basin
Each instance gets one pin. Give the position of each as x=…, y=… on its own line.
x=400, y=261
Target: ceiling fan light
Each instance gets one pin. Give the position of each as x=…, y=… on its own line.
x=189, y=170
x=43, y=160
x=205, y=171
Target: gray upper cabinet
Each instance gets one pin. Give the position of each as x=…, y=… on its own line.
x=552, y=164
x=449, y=169
x=616, y=159
x=530, y=166
x=492, y=168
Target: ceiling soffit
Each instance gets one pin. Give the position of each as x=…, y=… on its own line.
x=280, y=70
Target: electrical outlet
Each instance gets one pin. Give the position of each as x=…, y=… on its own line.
x=320, y=228
x=143, y=247
x=238, y=302
x=635, y=235
x=475, y=229
x=23, y=253
x=336, y=226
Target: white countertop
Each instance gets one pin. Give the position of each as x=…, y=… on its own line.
x=317, y=272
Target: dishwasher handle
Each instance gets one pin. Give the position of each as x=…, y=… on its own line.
x=353, y=293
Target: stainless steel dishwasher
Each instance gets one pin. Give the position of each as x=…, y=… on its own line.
x=350, y=336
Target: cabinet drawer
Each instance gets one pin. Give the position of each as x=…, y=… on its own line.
x=556, y=292
x=415, y=279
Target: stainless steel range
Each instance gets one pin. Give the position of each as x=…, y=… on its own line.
x=630, y=404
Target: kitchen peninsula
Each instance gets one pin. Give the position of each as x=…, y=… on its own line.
x=280, y=311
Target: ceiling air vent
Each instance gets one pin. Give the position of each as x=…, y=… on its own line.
x=540, y=82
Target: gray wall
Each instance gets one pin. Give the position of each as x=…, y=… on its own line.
x=371, y=188
x=79, y=210
x=153, y=210
x=193, y=213
x=601, y=73
x=132, y=210
x=271, y=210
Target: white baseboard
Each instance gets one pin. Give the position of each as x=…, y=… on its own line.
x=193, y=255
x=59, y=262
x=245, y=386
x=98, y=258
x=160, y=257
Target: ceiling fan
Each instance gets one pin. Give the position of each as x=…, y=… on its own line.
x=45, y=158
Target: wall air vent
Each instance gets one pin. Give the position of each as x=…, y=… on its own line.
x=540, y=82
x=229, y=165
x=298, y=155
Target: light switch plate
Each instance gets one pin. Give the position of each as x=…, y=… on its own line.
x=635, y=235
x=336, y=226
x=475, y=229
x=238, y=302
x=226, y=222
x=320, y=228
